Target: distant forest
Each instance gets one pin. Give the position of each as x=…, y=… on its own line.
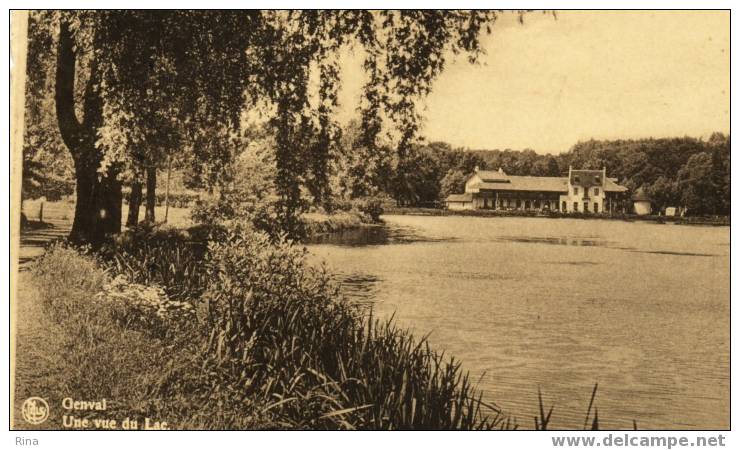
x=685, y=171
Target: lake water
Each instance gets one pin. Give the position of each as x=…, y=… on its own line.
x=642, y=309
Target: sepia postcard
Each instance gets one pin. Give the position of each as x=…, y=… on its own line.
x=371, y=220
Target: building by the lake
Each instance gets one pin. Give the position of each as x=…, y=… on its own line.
x=589, y=191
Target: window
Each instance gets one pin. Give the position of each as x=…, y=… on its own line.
x=585, y=206
x=575, y=206
x=518, y=203
x=565, y=207
x=596, y=191
x=575, y=190
x=596, y=207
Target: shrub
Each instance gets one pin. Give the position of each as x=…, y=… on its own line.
x=213, y=209
x=160, y=256
x=314, y=223
x=227, y=208
x=281, y=333
x=146, y=307
x=340, y=204
x=371, y=206
x=279, y=348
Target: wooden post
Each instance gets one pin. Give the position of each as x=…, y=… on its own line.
x=167, y=189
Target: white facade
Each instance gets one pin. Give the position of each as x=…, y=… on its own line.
x=587, y=191
x=642, y=207
x=583, y=199
x=585, y=195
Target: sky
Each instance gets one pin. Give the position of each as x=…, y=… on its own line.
x=551, y=82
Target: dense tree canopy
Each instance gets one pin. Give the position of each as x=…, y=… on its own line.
x=134, y=87
x=687, y=172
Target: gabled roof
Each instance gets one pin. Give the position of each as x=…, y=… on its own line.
x=610, y=185
x=492, y=175
x=460, y=198
x=586, y=178
x=500, y=181
x=528, y=183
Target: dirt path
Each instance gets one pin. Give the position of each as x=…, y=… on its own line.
x=35, y=357
x=35, y=240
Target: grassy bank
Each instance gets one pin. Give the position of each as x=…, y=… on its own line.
x=257, y=339
x=320, y=223
x=348, y=215
x=412, y=211
x=354, y=216
x=89, y=352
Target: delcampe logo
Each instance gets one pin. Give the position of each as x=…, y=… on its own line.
x=35, y=410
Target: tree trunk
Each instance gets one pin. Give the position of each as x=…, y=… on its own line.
x=167, y=189
x=134, y=203
x=151, y=193
x=111, y=204
x=98, y=206
x=99, y=199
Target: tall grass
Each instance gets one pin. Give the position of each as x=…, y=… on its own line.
x=280, y=332
x=275, y=346
x=88, y=353
x=167, y=257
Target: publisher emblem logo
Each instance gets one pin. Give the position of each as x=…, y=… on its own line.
x=35, y=410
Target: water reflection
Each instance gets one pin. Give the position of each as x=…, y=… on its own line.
x=666, y=252
x=373, y=235
x=577, y=241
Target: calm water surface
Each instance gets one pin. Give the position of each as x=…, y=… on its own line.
x=560, y=304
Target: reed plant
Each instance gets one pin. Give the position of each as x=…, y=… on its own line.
x=279, y=331
x=276, y=346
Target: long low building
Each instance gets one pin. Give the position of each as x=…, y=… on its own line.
x=589, y=191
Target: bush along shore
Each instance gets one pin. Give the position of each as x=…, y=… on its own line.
x=228, y=327
x=239, y=331
x=346, y=215
x=687, y=220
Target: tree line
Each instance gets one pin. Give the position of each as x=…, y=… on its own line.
x=681, y=172
x=114, y=96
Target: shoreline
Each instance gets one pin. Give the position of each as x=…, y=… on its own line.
x=322, y=224
x=703, y=221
